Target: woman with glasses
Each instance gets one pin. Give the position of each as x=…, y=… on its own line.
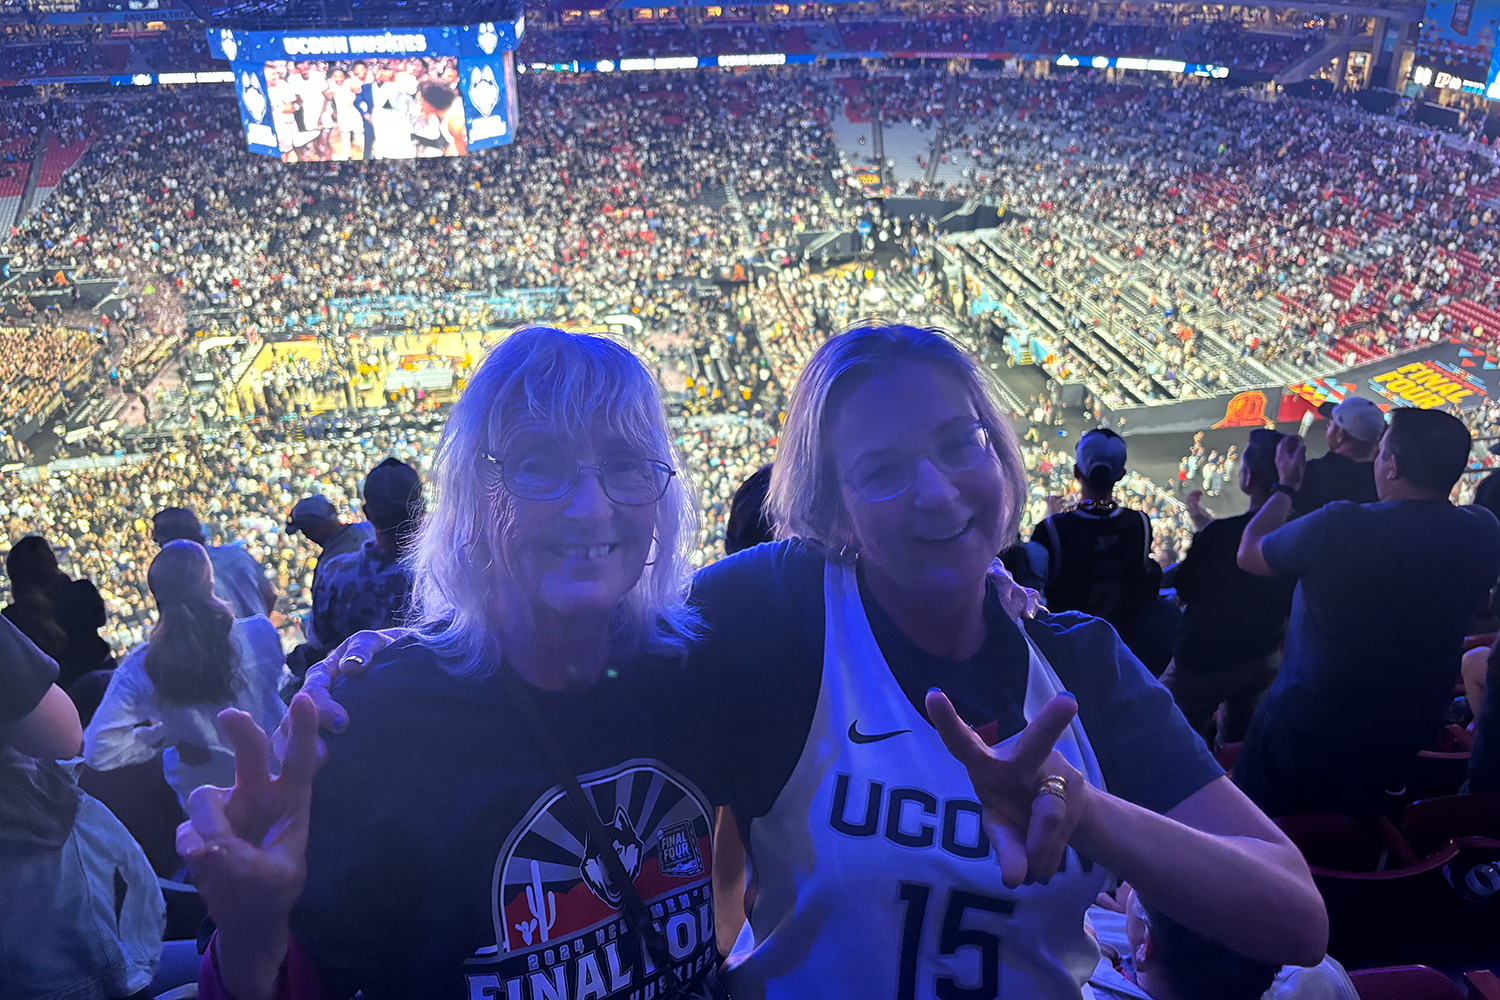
x=874, y=809
x=874, y=806
x=439, y=853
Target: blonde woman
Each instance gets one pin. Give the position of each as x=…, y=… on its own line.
x=440, y=853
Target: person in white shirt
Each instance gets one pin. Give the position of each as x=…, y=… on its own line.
x=343, y=89
x=199, y=660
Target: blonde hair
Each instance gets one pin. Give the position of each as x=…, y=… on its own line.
x=460, y=576
x=805, y=500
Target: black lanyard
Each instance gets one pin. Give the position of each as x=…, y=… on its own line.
x=631, y=903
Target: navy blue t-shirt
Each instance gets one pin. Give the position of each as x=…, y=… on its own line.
x=763, y=657
x=1385, y=592
x=444, y=861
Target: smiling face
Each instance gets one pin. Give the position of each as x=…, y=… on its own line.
x=942, y=532
x=580, y=553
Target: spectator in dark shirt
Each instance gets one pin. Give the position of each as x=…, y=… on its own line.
x=1099, y=553
x=368, y=589
x=1347, y=471
x=1230, y=640
x=748, y=523
x=60, y=615
x=1385, y=593
x=316, y=517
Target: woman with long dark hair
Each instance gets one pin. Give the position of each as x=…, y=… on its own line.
x=199, y=660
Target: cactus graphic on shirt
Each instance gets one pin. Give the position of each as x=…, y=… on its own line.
x=544, y=909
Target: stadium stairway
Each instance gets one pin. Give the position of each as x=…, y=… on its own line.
x=1320, y=56
x=737, y=210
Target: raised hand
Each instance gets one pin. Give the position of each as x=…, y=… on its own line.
x=1196, y=513
x=352, y=658
x=1030, y=830
x=247, y=845
x=1291, y=461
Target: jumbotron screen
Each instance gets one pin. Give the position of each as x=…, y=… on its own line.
x=308, y=96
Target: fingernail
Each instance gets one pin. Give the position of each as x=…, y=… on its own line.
x=339, y=723
x=1068, y=694
x=354, y=659
x=932, y=690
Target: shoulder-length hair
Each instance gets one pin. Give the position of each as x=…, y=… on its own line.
x=461, y=578
x=805, y=500
x=190, y=658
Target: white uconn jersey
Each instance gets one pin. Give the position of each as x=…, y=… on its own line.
x=874, y=876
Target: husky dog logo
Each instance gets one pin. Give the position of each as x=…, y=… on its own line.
x=231, y=47
x=253, y=96
x=488, y=38
x=484, y=90
x=626, y=843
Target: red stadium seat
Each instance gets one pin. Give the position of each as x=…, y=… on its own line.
x=1330, y=840
x=1483, y=984
x=1437, y=772
x=1405, y=982
x=1430, y=824
x=1384, y=904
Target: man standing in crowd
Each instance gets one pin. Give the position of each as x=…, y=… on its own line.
x=1347, y=472
x=238, y=578
x=1099, y=553
x=316, y=518
x=1233, y=622
x=368, y=588
x=1385, y=592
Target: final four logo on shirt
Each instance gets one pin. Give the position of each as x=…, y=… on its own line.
x=255, y=98
x=558, y=926
x=488, y=38
x=231, y=47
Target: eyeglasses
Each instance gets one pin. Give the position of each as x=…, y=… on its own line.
x=549, y=475
x=887, y=476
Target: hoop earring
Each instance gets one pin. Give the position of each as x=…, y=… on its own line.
x=469, y=558
x=656, y=550
x=848, y=553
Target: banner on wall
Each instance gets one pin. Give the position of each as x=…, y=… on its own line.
x=1451, y=374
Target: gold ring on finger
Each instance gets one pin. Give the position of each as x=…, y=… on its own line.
x=1053, y=784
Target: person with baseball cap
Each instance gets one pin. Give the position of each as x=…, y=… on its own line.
x=1099, y=553
x=1347, y=472
x=368, y=588
x=319, y=520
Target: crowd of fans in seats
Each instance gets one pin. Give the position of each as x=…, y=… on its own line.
x=1203, y=39
x=618, y=195
x=1305, y=232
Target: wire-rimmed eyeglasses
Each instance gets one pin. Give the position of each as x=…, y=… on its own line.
x=546, y=475
x=887, y=475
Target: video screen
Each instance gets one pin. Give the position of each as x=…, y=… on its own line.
x=366, y=109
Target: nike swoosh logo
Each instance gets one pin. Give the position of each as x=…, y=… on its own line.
x=856, y=736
